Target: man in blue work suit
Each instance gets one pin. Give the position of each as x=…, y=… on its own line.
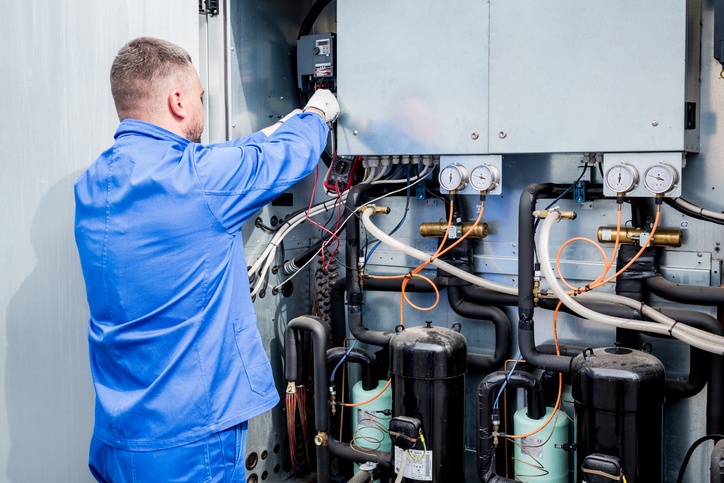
x=177, y=360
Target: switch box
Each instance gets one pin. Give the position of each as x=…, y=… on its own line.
x=316, y=56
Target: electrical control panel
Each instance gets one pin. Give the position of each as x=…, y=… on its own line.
x=316, y=61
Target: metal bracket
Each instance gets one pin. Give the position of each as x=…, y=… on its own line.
x=579, y=192
x=209, y=7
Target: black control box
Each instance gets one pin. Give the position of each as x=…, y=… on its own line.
x=316, y=59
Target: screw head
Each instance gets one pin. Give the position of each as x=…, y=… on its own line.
x=475, y=135
x=655, y=123
x=354, y=133
x=502, y=134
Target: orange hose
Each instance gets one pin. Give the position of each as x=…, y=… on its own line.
x=371, y=399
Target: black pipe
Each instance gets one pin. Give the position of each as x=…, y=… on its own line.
x=345, y=451
x=482, y=295
x=500, y=321
x=320, y=339
x=685, y=294
x=486, y=391
x=338, y=311
x=526, y=279
x=700, y=363
x=360, y=356
x=353, y=282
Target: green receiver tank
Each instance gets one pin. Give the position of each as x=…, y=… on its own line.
x=370, y=421
x=536, y=456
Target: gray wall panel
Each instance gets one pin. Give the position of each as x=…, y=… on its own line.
x=58, y=116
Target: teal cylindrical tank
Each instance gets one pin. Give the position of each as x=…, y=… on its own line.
x=553, y=460
x=366, y=419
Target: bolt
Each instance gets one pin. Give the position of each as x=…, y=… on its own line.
x=354, y=133
x=233, y=125
x=655, y=123
x=475, y=135
x=502, y=134
x=232, y=49
x=699, y=255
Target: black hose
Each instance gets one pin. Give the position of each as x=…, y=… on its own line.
x=692, y=448
x=717, y=471
x=500, y=321
x=311, y=17
x=685, y=294
x=360, y=356
x=690, y=213
x=486, y=391
x=345, y=451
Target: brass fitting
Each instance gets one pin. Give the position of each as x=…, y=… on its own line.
x=379, y=210
x=321, y=439
x=564, y=215
x=669, y=238
x=291, y=387
x=536, y=292
x=495, y=435
x=333, y=400
x=437, y=229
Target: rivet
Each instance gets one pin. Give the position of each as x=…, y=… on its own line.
x=475, y=135
x=655, y=123
x=354, y=133
x=502, y=134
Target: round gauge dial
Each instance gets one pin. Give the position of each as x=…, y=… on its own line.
x=484, y=177
x=453, y=177
x=622, y=178
x=660, y=178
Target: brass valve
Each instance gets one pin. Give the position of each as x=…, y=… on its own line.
x=437, y=229
x=669, y=238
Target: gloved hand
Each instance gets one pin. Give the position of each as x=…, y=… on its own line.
x=325, y=101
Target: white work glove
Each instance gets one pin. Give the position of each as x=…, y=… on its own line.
x=325, y=101
x=288, y=116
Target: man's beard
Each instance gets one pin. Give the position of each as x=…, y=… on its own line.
x=193, y=133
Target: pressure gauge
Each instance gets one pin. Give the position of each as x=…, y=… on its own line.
x=622, y=178
x=660, y=178
x=453, y=177
x=484, y=178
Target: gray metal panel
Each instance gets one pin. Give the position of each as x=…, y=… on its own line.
x=571, y=76
x=58, y=117
x=412, y=76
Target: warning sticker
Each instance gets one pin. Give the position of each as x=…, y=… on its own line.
x=415, y=470
x=322, y=70
x=533, y=447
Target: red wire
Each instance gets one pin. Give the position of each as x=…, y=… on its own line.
x=316, y=178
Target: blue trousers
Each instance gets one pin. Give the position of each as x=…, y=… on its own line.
x=218, y=458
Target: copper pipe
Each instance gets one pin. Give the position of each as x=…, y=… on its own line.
x=437, y=229
x=669, y=238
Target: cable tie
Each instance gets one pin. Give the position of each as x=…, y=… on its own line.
x=672, y=328
x=408, y=276
x=588, y=288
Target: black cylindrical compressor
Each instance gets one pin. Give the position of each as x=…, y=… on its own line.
x=619, y=396
x=428, y=366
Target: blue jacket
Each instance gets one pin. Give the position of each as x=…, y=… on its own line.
x=174, y=348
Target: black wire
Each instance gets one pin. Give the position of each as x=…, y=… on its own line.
x=585, y=168
x=690, y=213
x=693, y=447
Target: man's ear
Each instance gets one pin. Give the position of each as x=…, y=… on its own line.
x=176, y=104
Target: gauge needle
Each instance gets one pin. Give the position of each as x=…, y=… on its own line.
x=451, y=177
x=659, y=178
x=619, y=176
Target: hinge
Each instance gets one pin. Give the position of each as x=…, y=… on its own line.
x=209, y=7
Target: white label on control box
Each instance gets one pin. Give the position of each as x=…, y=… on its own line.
x=415, y=470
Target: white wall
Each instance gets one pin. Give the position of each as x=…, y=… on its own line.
x=56, y=116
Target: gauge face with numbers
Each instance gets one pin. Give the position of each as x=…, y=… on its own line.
x=660, y=178
x=453, y=177
x=622, y=178
x=484, y=178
